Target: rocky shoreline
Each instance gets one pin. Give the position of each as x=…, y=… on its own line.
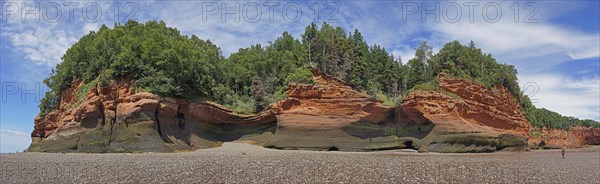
x=244, y=163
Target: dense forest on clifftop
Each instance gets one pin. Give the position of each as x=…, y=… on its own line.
x=167, y=63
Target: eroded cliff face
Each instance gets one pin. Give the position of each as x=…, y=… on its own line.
x=475, y=106
x=468, y=117
x=574, y=138
x=496, y=108
x=117, y=119
x=329, y=115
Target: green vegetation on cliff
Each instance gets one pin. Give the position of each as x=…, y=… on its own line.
x=165, y=62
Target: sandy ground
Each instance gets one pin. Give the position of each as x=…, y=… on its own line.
x=244, y=163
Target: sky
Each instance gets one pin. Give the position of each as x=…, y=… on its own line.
x=555, y=45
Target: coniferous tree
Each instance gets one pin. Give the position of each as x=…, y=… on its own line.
x=164, y=62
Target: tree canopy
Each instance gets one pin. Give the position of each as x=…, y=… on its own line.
x=167, y=63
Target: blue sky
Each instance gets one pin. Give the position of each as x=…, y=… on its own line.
x=557, y=48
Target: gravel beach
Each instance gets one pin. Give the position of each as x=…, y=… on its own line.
x=245, y=163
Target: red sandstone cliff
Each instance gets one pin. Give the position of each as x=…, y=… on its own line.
x=116, y=115
x=330, y=103
x=331, y=115
x=476, y=109
x=575, y=137
x=326, y=115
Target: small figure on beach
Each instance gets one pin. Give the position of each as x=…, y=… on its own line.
x=563, y=150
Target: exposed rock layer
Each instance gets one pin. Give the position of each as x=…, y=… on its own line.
x=116, y=119
x=330, y=115
x=461, y=117
x=575, y=137
x=468, y=117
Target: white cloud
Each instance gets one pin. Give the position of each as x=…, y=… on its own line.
x=41, y=44
x=230, y=35
x=532, y=47
x=12, y=140
x=90, y=27
x=406, y=53
x=569, y=97
x=524, y=39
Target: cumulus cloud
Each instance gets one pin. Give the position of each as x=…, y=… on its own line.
x=257, y=22
x=527, y=40
x=41, y=44
x=533, y=46
x=45, y=36
x=570, y=97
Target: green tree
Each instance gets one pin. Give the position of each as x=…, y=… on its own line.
x=163, y=61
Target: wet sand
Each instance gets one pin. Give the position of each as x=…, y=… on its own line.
x=244, y=163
